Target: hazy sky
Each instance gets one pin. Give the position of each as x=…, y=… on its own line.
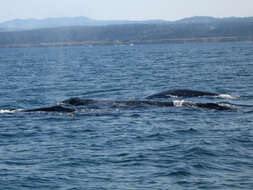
x=124, y=9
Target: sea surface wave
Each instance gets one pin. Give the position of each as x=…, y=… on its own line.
x=142, y=147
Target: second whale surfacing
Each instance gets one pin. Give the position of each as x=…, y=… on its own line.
x=186, y=93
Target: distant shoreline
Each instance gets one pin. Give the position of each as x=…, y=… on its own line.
x=196, y=29
x=132, y=42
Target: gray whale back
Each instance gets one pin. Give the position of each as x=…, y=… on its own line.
x=52, y=109
x=122, y=104
x=181, y=93
x=78, y=101
x=133, y=103
x=73, y=104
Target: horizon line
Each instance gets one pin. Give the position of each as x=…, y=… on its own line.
x=151, y=19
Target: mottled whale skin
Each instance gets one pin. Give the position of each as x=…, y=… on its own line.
x=181, y=93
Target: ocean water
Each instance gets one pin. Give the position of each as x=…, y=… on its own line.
x=149, y=147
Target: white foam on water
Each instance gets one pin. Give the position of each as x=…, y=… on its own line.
x=10, y=111
x=228, y=106
x=226, y=96
x=178, y=103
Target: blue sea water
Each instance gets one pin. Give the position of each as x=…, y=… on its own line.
x=132, y=148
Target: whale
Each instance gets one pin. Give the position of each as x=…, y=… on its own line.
x=181, y=93
x=131, y=103
x=77, y=104
x=122, y=104
x=118, y=103
x=52, y=109
x=73, y=105
x=212, y=106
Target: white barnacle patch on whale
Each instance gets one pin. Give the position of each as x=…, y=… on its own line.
x=178, y=103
